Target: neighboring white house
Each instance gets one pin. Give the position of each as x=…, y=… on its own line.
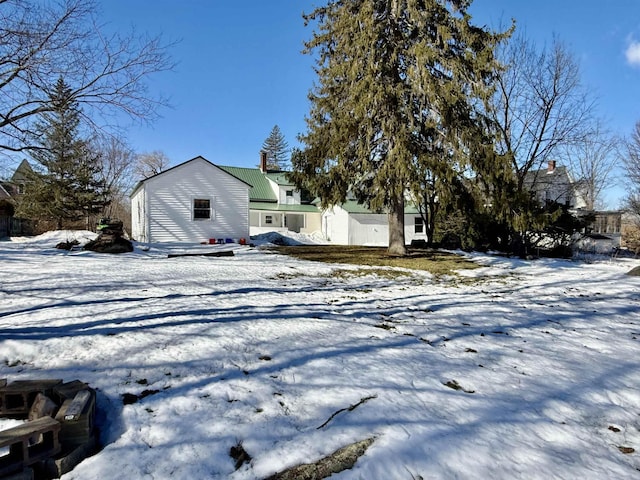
x=195, y=201
x=555, y=184
x=353, y=224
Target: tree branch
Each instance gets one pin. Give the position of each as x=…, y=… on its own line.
x=348, y=409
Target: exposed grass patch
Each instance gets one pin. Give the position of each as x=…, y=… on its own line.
x=363, y=272
x=436, y=262
x=288, y=276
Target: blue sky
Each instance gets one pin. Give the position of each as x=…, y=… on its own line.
x=241, y=71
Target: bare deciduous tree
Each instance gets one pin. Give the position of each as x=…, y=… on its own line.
x=540, y=107
x=107, y=74
x=151, y=163
x=540, y=104
x=632, y=169
x=117, y=162
x=593, y=161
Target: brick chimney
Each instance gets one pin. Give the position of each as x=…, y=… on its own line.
x=263, y=161
x=552, y=166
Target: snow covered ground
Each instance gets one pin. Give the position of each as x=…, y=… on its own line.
x=262, y=350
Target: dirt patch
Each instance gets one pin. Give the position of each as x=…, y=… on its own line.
x=239, y=454
x=456, y=386
x=131, y=398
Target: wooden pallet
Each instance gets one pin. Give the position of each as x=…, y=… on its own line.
x=18, y=450
x=76, y=416
x=17, y=397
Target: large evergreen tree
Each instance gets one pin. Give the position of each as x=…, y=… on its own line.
x=276, y=148
x=401, y=84
x=66, y=186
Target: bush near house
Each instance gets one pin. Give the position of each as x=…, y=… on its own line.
x=631, y=237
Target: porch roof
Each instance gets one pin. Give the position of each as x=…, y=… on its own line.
x=275, y=207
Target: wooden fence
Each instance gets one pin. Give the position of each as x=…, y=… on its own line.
x=14, y=226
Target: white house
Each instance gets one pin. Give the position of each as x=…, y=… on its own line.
x=555, y=184
x=353, y=224
x=195, y=201
x=274, y=202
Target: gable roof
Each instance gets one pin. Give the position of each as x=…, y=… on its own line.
x=198, y=158
x=280, y=178
x=261, y=190
x=22, y=173
x=3, y=191
x=544, y=176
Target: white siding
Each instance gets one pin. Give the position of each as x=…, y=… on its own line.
x=289, y=200
x=370, y=229
x=313, y=223
x=139, y=222
x=373, y=230
x=410, y=231
x=343, y=228
x=335, y=225
x=169, y=204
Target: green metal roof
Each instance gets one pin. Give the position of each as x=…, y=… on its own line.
x=261, y=190
x=280, y=178
x=283, y=207
x=351, y=206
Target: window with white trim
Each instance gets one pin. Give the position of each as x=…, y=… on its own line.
x=418, y=225
x=268, y=219
x=202, y=209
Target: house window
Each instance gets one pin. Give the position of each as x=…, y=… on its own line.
x=201, y=208
x=418, y=225
x=268, y=219
x=289, y=193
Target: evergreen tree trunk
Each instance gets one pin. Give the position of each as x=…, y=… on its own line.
x=396, y=227
x=430, y=225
